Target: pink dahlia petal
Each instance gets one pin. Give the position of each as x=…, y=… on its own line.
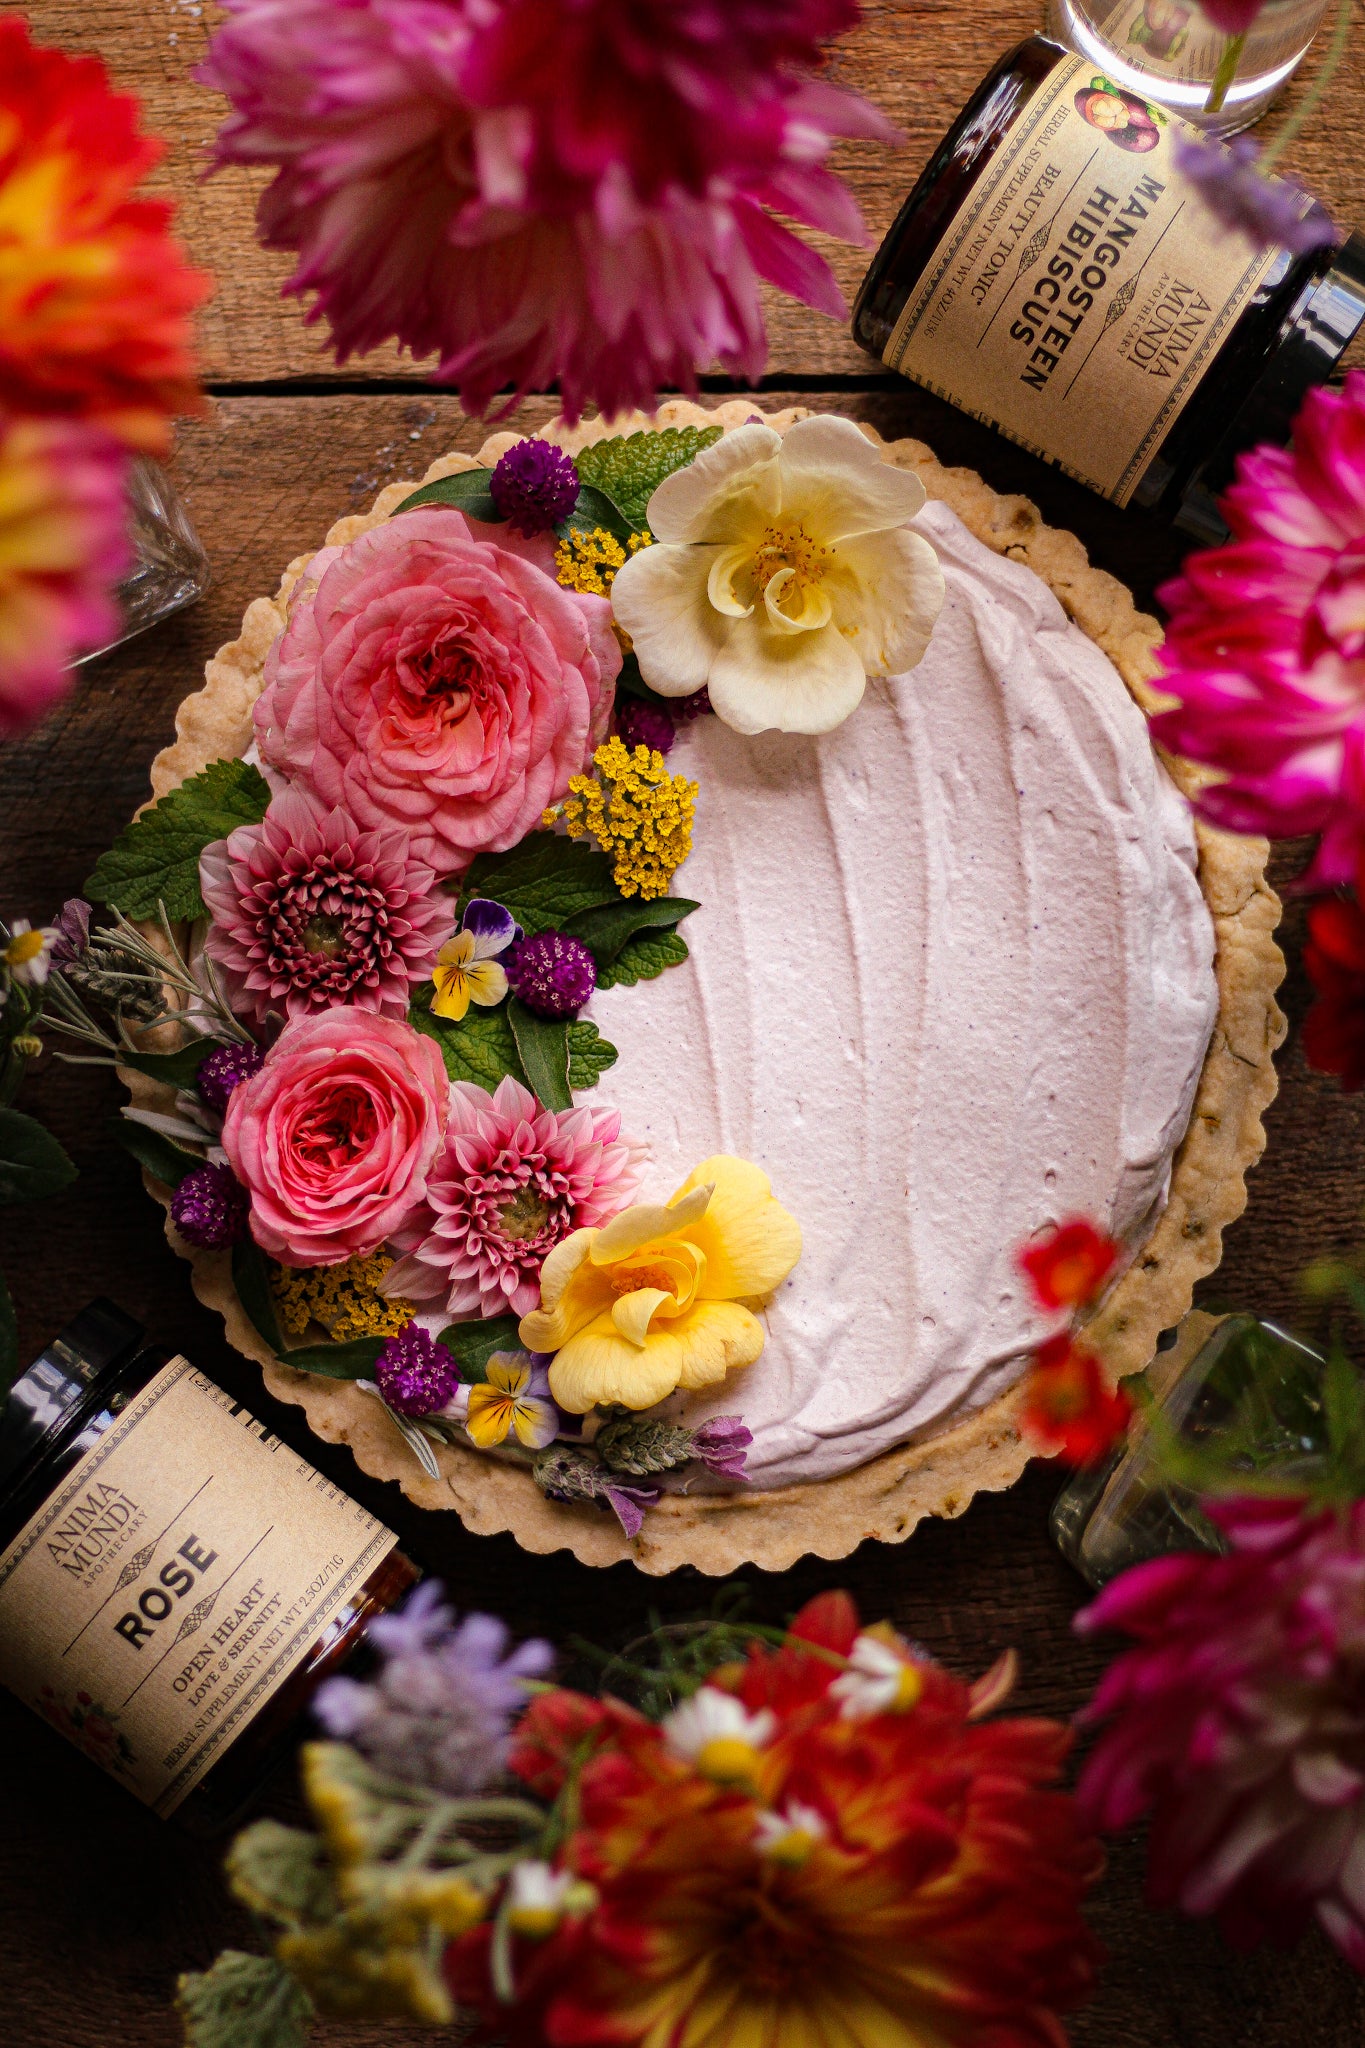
x=511, y=1181
x=539, y=192
x=307, y=910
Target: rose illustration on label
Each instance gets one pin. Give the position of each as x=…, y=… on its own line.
x=1120, y=116
x=91, y=1727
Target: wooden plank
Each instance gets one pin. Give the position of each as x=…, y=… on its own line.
x=917, y=59
x=100, y=1905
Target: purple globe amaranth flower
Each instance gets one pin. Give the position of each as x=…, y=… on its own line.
x=534, y=486
x=695, y=705
x=553, y=973
x=722, y=1444
x=210, y=1208
x=644, y=725
x=439, y=1712
x=221, y=1071
x=1245, y=200
x=415, y=1374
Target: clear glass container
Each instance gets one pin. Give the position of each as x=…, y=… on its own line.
x=1233, y=1384
x=1168, y=51
x=170, y=568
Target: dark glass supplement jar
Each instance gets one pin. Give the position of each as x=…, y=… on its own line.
x=175, y=1582
x=1053, y=274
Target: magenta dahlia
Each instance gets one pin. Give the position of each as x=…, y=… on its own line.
x=512, y=1179
x=545, y=191
x=308, y=911
x=1266, y=645
x=1238, y=1721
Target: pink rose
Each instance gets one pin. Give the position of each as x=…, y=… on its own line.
x=435, y=680
x=334, y=1137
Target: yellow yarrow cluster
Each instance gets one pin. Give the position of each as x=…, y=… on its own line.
x=345, y=1299
x=637, y=812
x=589, y=561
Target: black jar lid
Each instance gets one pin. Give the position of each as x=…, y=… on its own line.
x=91, y=1349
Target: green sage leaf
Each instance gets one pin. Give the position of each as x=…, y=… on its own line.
x=473, y=1344
x=32, y=1164
x=178, y=1069
x=243, y=2002
x=643, y=958
x=607, y=929
x=543, y=1044
x=282, y=1874
x=630, y=467
x=163, y=1158
x=156, y=858
x=544, y=882
x=467, y=491
x=251, y=1278
x=589, y=1054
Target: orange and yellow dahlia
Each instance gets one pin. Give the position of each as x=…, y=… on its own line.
x=877, y=1877
x=95, y=297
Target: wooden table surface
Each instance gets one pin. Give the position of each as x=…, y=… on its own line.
x=100, y=1905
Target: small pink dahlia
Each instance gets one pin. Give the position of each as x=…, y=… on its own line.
x=1239, y=1722
x=545, y=191
x=308, y=911
x=511, y=1180
x=1266, y=645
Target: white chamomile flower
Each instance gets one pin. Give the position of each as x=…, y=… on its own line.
x=538, y=1896
x=28, y=953
x=714, y=1731
x=789, y=1835
x=879, y=1680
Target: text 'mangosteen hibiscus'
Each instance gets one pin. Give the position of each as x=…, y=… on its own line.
x=1266, y=645
x=570, y=192
x=784, y=574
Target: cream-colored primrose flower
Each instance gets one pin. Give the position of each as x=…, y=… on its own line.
x=655, y=1299
x=783, y=575
x=714, y=1731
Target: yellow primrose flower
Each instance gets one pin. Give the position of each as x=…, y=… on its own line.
x=467, y=969
x=655, y=1299
x=515, y=1397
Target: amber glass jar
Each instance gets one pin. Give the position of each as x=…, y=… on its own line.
x=1054, y=274
x=175, y=1582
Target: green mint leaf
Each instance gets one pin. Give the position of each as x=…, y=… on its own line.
x=178, y=1069
x=643, y=958
x=243, y=2002
x=32, y=1163
x=156, y=858
x=596, y=509
x=473, y=1344
x=467, y=492
x=630, y=467
x=543, y=1045
x=163, y=1158
x=479, y=1048
x=589, y=1054
x=544, y=882
x=9, y=1341
x=606, y=930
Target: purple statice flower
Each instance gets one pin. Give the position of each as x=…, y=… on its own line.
x=439, y=1712
x=644, y=725
x=721, y=1445
x=415, y=1374
x=553, y=973
x=1244, y=200
x=210, y=1207
x=72, y=928
x=534, y=486
x=222, y=1069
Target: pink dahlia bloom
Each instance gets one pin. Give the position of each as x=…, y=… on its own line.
x=511, y=1181
x=334, y=1137
x=1239, y=1722
x=439, y=683
x=63, y=546
x=309, y=911
x=545, y=191
x=1266, y=645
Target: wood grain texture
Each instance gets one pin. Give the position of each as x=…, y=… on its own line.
x=99, y=1904
x=916, y=59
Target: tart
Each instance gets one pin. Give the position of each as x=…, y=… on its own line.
x=961, y=966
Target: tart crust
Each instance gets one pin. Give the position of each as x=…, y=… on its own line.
x=889, y=1495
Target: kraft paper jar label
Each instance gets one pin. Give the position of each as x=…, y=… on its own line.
x=173, y=1580
x=1082, y=290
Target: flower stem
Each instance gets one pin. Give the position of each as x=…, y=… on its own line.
x=1226, y=72
x=1312, y=99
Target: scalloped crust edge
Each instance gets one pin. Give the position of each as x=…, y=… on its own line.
x=887, y=1497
